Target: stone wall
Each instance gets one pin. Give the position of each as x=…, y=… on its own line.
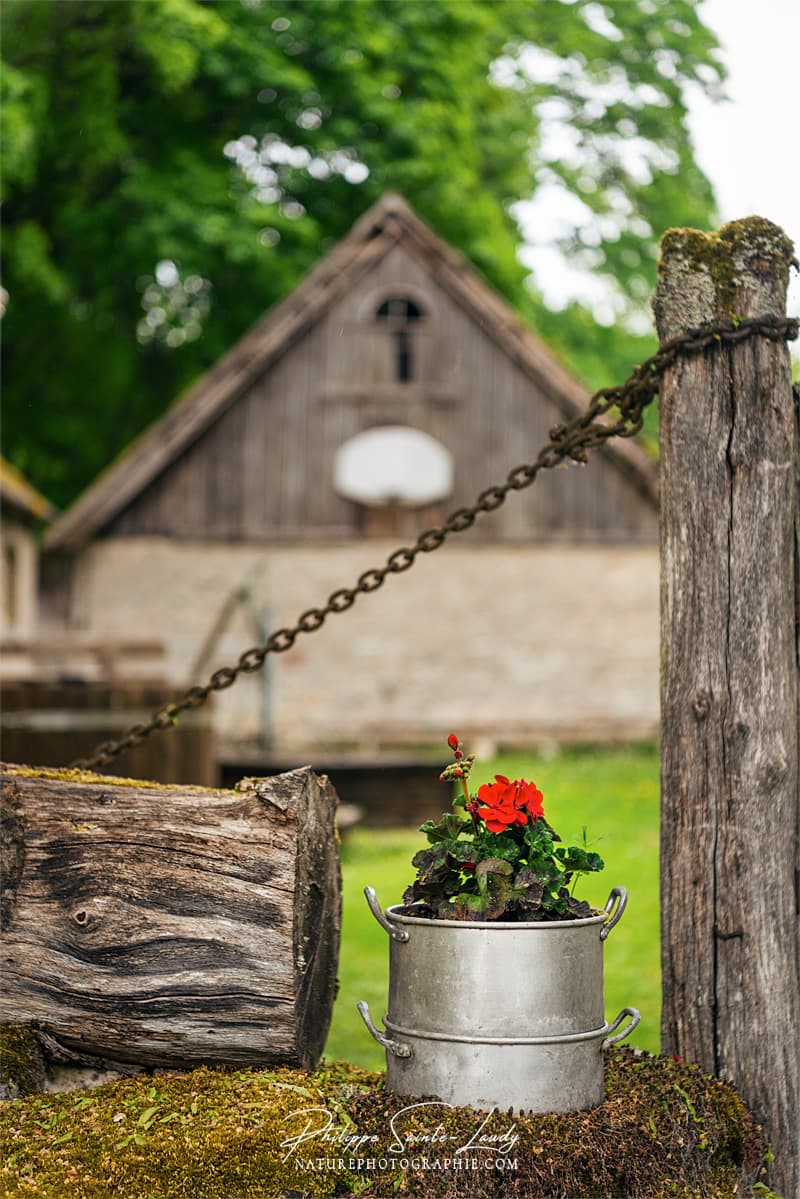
x=512, y=644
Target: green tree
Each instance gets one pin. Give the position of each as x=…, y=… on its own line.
x=172, y=168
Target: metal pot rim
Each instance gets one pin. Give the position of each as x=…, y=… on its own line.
x=421, y=1034
x=395, y=914
x=401, y=1049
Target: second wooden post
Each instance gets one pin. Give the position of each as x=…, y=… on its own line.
x=729, y=840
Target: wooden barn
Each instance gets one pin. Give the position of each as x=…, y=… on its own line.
x=390, y=388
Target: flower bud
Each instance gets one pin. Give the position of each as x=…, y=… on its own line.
x=458, y=755
x=459, y=773
x=452, y=741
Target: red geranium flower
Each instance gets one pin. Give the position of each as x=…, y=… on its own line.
x=529, y=795
x=506, y=804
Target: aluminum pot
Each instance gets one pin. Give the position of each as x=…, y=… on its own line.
x=526, y=1074
x=539, y=979
x=493, y=1013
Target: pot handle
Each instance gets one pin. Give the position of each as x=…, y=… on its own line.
x=621, y=896
x=397, y=934
x=395, y=1047
x=635, y=1018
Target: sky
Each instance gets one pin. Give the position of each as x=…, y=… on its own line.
x=746, y=145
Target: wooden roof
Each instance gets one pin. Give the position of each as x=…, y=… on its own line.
x=17, y=493
x=387, y=223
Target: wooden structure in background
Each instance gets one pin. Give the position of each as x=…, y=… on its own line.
x=23, y=511
x=55, y=723
x=46, y=658
x=171, y=926
x=249, y=453
x=730, y=459
x=234, y=491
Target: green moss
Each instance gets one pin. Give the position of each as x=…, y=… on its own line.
x=67, y=774
x=663, y=1129
x=21, y=1061
x=722, y=255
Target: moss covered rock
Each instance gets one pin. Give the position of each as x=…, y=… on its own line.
x=664, y=1129
x=22, y=1065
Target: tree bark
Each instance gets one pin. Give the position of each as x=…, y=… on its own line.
x=171, y=926
x=729, y=694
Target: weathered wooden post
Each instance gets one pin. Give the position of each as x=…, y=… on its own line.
x=729, y=692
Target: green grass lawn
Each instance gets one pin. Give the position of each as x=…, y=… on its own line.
x=614, y=793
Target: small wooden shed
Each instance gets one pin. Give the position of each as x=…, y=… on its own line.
x=235, y=512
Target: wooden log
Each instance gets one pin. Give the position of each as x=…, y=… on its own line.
x=171, y=926
x=729, y=696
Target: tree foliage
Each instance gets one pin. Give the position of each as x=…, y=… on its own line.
x=172, y=168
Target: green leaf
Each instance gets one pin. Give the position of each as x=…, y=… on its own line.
x=546, y=868
x=427, y=860
x=461, y=851
x=494, y=891
x=557, y=903
x=539, y=839
x=147, y=1115
x=490, y=869
x=579, y=861
x=487, y=906
x=528, y=890
x=447, y=828
x=498, y=845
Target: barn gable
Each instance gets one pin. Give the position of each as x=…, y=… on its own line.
x=393, y=328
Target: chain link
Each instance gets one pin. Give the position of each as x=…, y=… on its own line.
x=570, y=441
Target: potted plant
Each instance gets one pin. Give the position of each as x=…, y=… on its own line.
x=496, y=968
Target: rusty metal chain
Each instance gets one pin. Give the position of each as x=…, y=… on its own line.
x=568, y=441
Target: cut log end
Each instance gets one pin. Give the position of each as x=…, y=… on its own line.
x=317, y=914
